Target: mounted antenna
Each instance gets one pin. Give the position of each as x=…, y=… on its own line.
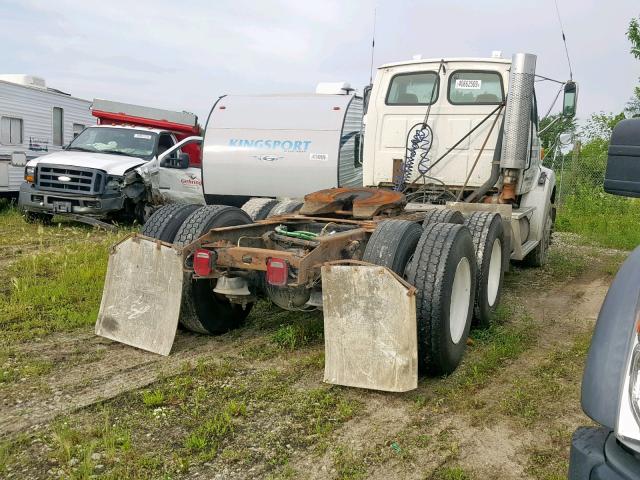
x=564, y=40
x=373, y=46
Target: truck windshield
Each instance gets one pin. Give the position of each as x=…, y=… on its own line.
x=119, y=141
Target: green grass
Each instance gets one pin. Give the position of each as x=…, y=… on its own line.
x=451, y=473
x=550, y=460
x=544, y=392
x=493, y=348
x=212, y=412
x=153, y=398
x=54, y=291
x=53, y=277
x=601, y=218
x=301, y=333
x=348, y=465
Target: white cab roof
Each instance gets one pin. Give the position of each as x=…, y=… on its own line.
x=452, y=59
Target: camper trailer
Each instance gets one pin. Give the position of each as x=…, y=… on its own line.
x=35, y=120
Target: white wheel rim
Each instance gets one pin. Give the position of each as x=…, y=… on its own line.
x=495, y=269
x=460, y=300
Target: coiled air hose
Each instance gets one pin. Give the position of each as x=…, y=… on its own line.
x=422, y=140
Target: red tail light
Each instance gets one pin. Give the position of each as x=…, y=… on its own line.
x=277, y=272
x=202, y=262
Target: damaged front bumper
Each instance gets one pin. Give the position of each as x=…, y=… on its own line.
x=31, y=199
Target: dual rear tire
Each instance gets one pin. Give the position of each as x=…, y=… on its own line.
x=202, y=310
x=440, y=262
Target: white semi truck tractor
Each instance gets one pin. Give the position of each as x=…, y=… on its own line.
x=401, y=267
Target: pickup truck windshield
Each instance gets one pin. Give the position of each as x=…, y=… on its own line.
x=119, y=141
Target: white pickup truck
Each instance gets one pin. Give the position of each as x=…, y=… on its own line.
x=118, y=170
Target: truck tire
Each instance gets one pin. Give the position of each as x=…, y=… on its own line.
x=37, y=217
x=203, y=311
x=259, y=208
x=164, y=223
x=487, y=233
x=443, y=215
x=443, y=270
x=284, y=207
x=538, y=256
x=392, y=244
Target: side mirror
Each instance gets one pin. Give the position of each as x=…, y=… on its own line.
x=183, y=161
x=622, y=176
x=172, y=160
x=365, y=98
x=570, y=99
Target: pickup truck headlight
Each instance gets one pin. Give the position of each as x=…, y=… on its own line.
x=30, y=174
x=634, y=383
x=628, y=423
x=114, y=183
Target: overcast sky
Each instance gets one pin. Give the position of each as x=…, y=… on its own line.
x=184, y=54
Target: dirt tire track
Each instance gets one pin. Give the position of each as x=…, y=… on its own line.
x=119, y=370
x=484, y=449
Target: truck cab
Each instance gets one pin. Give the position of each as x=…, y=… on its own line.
x=463, y=132
x=112, y=170
x=458, y=93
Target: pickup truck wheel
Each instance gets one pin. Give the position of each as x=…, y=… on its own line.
x=443, y=270
x=443, y=215
x=488, y=240
x=202, y=310
x=392, y=244
x=284, y=207
x=37, y=217
x=259, y=208
x=164, y=223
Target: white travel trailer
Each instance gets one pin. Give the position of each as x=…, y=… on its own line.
x=34, y=120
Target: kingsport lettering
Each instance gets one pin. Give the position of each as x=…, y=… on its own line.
x=285, y=145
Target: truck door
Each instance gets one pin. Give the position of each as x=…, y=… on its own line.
x=530, y=174
x=177, y=183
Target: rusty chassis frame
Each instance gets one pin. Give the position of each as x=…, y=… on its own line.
x=305, y=257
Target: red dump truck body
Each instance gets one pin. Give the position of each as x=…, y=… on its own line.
x=181, y=124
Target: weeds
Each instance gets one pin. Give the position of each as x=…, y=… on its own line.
x=208, y=436
x=153, y=398
x=298, y=334
x=348, y=466
x=450, y=473
x=549, y=386
x=605, y=219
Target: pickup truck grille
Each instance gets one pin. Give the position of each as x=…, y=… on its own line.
x=88, y=181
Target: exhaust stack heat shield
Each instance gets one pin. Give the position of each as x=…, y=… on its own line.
x=515, y=145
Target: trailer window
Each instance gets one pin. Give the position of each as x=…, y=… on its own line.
x=475, y=88
x=10, y=131
x=58, y=130
x=413, y=89
x=77, y=129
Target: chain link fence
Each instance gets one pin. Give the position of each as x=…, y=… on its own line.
x=577, y=175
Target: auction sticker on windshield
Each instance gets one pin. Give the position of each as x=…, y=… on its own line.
x=464, y=84
x=142, y=135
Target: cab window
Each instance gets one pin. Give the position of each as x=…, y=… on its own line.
x=475, y=88
x=165, y=142
x=413, y=89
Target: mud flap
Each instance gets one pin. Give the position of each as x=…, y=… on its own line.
x=369, y=328
x=141, y=297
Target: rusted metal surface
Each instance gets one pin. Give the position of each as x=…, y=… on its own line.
x=358, y=202
x=306, y=260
